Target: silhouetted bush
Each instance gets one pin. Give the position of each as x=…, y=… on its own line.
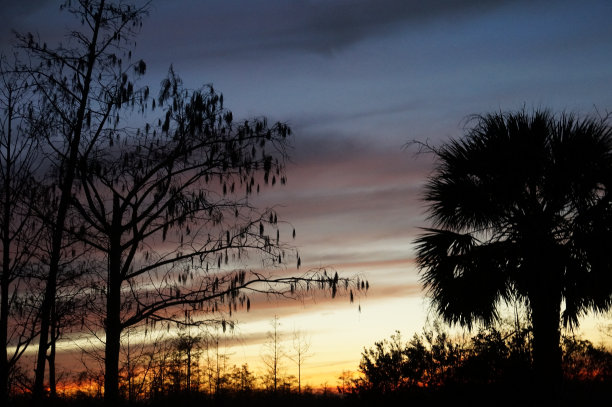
x=494, y=363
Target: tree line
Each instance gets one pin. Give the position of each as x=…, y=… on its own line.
x=495, y=362
x=122, y=210
x=192, y=361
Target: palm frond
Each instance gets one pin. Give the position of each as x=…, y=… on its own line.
x=464, y=278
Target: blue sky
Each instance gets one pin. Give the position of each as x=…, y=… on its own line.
x=357, y=80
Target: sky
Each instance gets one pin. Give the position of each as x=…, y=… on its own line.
x=358, y=80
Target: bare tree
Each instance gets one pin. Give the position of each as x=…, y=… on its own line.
x=346, y=382
x=81, y=86
x=66, y=312
x=216, y=364
x=18, y=226
x=301, y=351
x=273, y=355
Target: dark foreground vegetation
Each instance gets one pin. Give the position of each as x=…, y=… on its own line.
x=573, y=394
x=490, y=366
x=493, y=365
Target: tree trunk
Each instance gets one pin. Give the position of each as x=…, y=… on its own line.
x=545, y=317
x=130, y=376
x=113, y=341
x=189, y=368
x=299, y=375
x=54, y=336
x=4, y=290
x=52, y=379
x=6, y=260
x=64, y=203
x=47, y=305
x=113, y=310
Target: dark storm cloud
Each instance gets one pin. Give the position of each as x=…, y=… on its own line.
x=330, y=26
x=35, y=16
x=222, y=29
x=13, y=10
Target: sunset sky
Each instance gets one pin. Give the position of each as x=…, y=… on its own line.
x=356, y=80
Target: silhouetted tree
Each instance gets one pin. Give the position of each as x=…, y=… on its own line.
x=429, y=359
x=495, y=355
x=19, y=228
x=187, y=348
x=168, y=207
x=82, y=85
x=69, y=308
x=521, y=210
x=91, y=381
x=242, y=379
x=346, y=382
x=141, y=358
x=273, y=356
x=382, y=365
x=582, y=361
x=301, y=351
x=493, y=359
x=216, y=364
x=158, y=365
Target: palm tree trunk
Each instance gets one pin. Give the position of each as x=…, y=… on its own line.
x=545, y=313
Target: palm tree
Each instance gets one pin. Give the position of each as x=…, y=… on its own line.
x=521, y=211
